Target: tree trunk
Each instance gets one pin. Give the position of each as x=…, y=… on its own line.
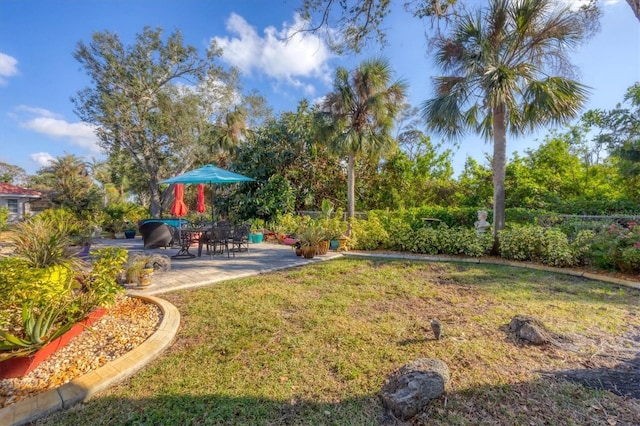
x=155, y=205
x=499, y=172
x=351, y=193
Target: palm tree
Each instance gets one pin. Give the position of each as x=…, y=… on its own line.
x=500, y=62
x=361, y=111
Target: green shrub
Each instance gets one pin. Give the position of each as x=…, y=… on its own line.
x=616, y=247
x=4, y=217
x=521, y=242
x=556, y=250
x=425, y=240
x=400, y=236
x=367, y=234
x=19, y=282
x=629, y=259
x=581, y=245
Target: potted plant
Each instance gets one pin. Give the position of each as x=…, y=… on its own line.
x=257, y=231
x=141, y=267
x=115, y=228
x=310, y=238
x=129, y=230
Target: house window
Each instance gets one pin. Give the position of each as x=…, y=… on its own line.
x=12, y=205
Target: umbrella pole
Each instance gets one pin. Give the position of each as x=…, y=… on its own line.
x=211, y=188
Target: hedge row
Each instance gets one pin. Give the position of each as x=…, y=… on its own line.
x=612, y=246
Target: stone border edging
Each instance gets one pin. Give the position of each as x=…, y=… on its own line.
x=502, y=262
x=83, y=387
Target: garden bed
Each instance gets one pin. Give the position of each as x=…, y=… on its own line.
x=127, y=324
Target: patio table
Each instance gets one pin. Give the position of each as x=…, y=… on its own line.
x=188, y=236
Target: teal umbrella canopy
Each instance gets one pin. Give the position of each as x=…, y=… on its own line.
x=208, y=174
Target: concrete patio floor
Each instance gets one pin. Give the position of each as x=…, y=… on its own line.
x=207, y=270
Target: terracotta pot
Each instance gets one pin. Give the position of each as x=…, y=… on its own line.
x=298, y=251
x=323, y=247
x=21, y=366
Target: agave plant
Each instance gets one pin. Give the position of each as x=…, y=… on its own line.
x=38, y=329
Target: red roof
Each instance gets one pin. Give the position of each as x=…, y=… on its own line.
x=8, y=189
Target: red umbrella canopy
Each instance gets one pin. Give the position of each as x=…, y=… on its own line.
x=179, y=208
x=201, y=207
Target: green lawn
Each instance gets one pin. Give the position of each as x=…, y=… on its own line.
x=313, y=345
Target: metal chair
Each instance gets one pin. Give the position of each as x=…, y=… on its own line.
x=218, y=239
x=240, y=238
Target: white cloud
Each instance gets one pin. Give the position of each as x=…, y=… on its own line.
x=8, y=67
x=576, y=4
x=45, y=122
x=37, y=111
x=43, y=159
x=287, y=55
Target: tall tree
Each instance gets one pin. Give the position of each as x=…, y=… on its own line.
x=352, y=24
x=619, y=131
x=12, y=174
x=501, y=63
x=286, y=163
x=361, y=21
x=361, y=112
x=151, y=103
x=72, y=184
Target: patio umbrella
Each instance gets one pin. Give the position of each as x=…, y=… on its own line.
x=208, y=174
x=201, y=207
x=179, y=208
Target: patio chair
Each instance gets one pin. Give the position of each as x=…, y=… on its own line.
x=218, y=239
x=240, y=239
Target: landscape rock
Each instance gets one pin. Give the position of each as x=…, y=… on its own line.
x=530, y=329
x=413, y=386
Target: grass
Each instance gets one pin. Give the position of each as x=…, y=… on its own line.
x=313, y=345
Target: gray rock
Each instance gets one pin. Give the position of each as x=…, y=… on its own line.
x=413, y=386
x=530, y=329
x=436, y=327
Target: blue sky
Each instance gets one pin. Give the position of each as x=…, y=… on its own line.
x=38, y=74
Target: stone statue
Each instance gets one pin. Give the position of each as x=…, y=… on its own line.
x=481, y=224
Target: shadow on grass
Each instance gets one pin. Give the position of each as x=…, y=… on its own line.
x=623, y=379
x=218, y=410
x=539, y=402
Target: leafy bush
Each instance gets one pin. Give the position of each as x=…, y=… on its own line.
x=616, y=247
x=19, y=282
x=4, y=217
x=367, y=234
x=521, y=242
x=556, y=250
x=289, y=224
x=52, y=298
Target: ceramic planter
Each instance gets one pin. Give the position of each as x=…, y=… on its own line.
x=21, y=366
x=256, y=238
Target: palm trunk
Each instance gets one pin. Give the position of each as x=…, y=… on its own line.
x=499, y=172
x=351, y=193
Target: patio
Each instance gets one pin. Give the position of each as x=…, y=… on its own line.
x=205, y=270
